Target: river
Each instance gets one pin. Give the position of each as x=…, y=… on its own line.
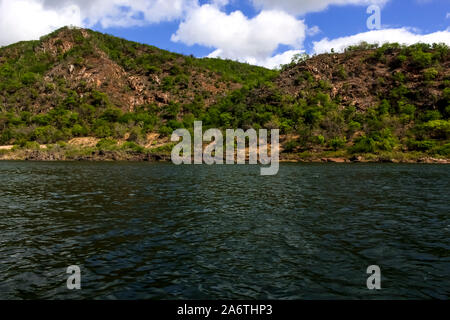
x=160, y=231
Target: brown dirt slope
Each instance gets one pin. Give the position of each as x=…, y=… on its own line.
x=360, y=79
x=80, y=61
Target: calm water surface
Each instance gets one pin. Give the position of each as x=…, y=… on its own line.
x=159, y=231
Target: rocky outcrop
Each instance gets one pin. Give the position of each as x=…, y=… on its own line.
x=126, y=88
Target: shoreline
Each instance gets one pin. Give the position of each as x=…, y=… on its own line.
x=93, y=155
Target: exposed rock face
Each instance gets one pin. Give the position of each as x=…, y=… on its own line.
x=358, y=79
x=59, y=155
x=336, y=160
x=126, y=88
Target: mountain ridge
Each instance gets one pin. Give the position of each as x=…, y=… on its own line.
x=391, y=100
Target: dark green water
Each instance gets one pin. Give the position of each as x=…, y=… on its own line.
x=140, y=230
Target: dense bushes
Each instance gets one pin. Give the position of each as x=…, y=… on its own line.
x=319, y=119
x=315, y=116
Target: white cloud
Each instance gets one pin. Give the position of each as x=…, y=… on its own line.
x=448, y=15
x=27, y=19
x=304, y=6
x=270, y=62
x=235, y=36
x=125, y=13
x=220, y=3
x=313, y=31
x=402, y=36
x=30, y=19
x=276, y=61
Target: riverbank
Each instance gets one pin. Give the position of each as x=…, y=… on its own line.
x=57, y=153
x=81, y=155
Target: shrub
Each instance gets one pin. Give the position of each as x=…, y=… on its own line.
x=399, y=77
x=136, y=135
x=165, y=131
x=290, y=146
x=174, y=124
x=167, y=149
x=443, y=150
x=399, y=92
x=313, y=116
x=102, y=129
x=320, y=139
x=42, y=119
x=446, y=95
x=384, y=107
x=399, y=61
x=364, y=144
x=30, y=145
x=29, y=78
x=151, y=69
x=324, y=85
x=285, y=125
x=431, y=115
x=361, y=46
x=107, y=144
x=438, y=129
x=182, y=80
x=337, y=143
x=111, y=114
x=47, y=134
x=405, y=108
x=447, y=111
x=421, y=59
x=424, y=145
x=430, y=74
x=168, y=83
x=341, y=73
x=132, y=146
x=226, y=119
x=188, y=121
x=79, y=131
x=171, y=111
x=175, y=70
x=99, y=99
x=385, y=140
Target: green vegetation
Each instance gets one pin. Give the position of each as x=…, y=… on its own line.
x=35, y=110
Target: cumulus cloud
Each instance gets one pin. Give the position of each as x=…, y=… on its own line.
x=124, y=13
x=276, y=61
x=30, y=19
x=235, y=36
x=402, y=35
x=27, y=19
x=229, y=35
x=304, y=6
x=313, y=31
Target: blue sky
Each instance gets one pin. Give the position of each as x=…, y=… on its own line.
x=264, y=32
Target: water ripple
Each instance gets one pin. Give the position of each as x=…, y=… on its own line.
x=157, y=231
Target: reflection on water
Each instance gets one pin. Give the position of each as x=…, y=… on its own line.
x=165, y=232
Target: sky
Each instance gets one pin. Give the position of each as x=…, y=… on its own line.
x=262, y=32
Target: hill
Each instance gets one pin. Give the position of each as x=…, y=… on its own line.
x=105, y=94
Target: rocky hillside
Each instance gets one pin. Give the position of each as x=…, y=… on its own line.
x=362, y=77
x=80, y=84
x=38, y=76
